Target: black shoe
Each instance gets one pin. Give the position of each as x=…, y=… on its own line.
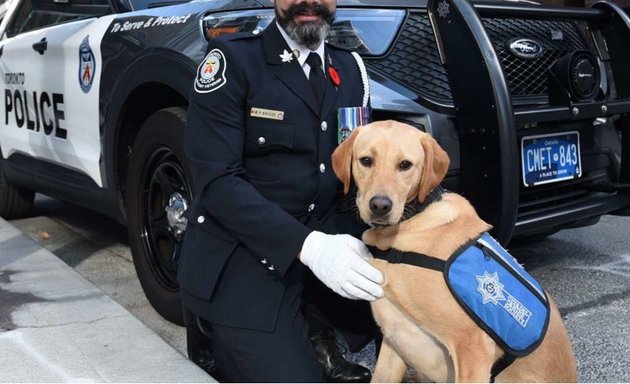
x=199, y=343
x=336, y=368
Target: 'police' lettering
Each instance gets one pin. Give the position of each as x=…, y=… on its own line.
x=35, y=112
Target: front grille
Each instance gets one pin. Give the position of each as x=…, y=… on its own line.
x=528, y=77
x=536, y=200
x=414, y=60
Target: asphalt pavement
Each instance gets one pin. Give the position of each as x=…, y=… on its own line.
x=56, y=326
x=587, y=271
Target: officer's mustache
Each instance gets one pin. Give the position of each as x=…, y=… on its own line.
x=305, y=9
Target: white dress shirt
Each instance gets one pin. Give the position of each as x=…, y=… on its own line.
x=303, y=52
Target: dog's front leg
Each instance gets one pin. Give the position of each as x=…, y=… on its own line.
x=390, y=367
x=473, y=358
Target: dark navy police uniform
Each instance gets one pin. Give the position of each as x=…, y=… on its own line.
x=260, y=152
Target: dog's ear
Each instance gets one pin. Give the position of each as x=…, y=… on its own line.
x=436, y=163
x=342, y=160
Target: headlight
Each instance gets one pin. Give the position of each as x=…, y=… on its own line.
x=366, y=31
x=219, y=24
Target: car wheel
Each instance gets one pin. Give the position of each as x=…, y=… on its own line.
x=15, y=202
x=158, y=192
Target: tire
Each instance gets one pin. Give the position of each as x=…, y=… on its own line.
x=158, y=175
x=15, y=202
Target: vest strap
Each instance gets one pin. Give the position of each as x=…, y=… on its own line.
x=500, y=365
x=396, y=256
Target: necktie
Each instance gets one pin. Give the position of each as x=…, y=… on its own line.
x=316, y=76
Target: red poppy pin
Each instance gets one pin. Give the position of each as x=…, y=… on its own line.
x=334, y=76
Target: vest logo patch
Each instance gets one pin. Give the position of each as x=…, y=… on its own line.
x=490, y=288
x=493, y=291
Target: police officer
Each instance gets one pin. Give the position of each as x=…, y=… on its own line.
x=261, y=129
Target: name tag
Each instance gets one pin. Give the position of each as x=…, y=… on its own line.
x=266, y=113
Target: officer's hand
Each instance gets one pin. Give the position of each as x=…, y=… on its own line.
x=340, y=262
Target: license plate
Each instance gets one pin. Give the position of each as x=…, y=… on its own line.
x=550, y=158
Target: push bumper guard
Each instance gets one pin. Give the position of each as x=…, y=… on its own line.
x=487, y=121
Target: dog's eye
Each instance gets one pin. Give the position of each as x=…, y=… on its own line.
x=366, y=161
x=404, y=165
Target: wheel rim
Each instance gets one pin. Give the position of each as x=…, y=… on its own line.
x=164, y=197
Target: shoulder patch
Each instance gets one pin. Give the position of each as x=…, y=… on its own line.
x=211, y=72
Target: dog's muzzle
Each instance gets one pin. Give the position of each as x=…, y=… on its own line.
x=380, y=207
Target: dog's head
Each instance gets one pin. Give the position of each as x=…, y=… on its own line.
x=391, y=164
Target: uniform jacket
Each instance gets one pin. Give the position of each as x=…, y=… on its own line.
x=261, y=184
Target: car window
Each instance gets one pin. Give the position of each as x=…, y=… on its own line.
x=35, y=14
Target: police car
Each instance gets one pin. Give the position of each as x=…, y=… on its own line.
x=529, y=101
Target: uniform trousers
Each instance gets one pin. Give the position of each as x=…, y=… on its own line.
x=284, y=354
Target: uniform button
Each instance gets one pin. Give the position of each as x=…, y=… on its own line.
x=264, y=261
x=311, y=207
x=324, y=126
x=201, y=219
x=261, y=140
x=322, y=167
x=271, y=268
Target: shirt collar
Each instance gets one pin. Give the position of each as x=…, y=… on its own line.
x=303, y=52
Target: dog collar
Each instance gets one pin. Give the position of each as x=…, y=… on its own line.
x=415, y=207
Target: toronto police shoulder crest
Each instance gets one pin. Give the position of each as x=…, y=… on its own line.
x=211, y=72
x=87, y=65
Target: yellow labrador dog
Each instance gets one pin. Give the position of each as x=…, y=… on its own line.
x=423, y=325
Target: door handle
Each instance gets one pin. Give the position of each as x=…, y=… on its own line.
x=41, y=46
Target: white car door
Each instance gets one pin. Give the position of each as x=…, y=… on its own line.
x=50, y=89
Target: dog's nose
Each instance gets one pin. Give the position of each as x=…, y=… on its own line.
x=380, y=205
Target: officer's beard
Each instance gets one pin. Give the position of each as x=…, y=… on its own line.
x=308, y=34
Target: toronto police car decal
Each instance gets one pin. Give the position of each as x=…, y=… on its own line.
x=87, y=65
x=211, y=72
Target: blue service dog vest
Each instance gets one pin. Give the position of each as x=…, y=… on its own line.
x=493, y=288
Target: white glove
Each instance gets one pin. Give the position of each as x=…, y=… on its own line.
x=340, y=262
